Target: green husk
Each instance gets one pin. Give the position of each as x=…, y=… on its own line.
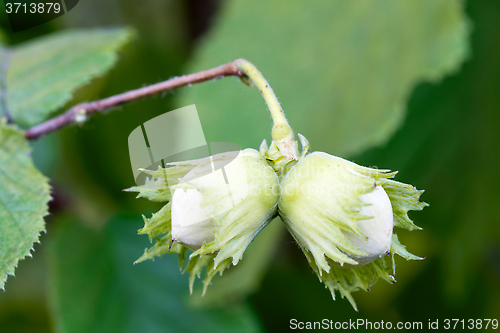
x=234, y=228
x=317, y=216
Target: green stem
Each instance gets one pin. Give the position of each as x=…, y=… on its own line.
x=282, y=133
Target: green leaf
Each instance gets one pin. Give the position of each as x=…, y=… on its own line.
x=24, y=194
x=450, y=147
x=42, y=74
x=343, y=70
x=96, y=288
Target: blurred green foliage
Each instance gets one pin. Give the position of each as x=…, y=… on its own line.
x=95, y=288
x=447, y=144
x=342, y=70
x=43, y=74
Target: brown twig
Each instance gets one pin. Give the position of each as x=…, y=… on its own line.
x=82, y=110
